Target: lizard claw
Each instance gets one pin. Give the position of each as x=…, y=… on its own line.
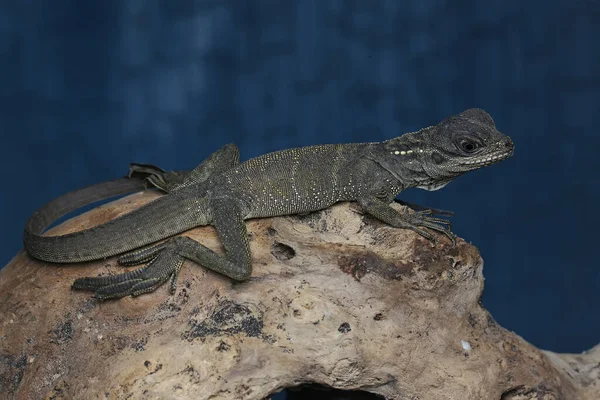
x=424, y=218
x=164, y=263
x=426, y=215
x=417, y=207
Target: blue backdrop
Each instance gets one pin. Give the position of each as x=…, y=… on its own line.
x=88, y=87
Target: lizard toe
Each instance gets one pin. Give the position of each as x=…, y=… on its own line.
x=116, y=291
x=143, y=255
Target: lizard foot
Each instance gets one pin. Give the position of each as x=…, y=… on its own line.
x=423, y=218
x=417, y=207
x=156, y=176
x=164, y=262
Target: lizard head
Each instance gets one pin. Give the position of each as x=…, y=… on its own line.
x=433, y=156
x=465, y=142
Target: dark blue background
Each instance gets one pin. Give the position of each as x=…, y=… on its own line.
x=88, y=87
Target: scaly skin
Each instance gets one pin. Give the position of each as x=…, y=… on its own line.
x=224, y=193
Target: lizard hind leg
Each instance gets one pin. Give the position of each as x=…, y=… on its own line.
x=167, y=258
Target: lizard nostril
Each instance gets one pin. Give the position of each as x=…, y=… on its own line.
x=508, y=144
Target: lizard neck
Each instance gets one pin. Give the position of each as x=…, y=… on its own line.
x=412, y=160
x=403, y=159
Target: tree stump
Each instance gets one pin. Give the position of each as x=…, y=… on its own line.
x=336, y=298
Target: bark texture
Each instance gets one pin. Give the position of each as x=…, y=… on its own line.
x=336, y=298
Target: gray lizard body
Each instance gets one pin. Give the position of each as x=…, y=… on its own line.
x=224, y=193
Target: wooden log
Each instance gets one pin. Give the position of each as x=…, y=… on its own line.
x=336, y=298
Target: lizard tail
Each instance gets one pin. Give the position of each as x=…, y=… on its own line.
x=152, y=222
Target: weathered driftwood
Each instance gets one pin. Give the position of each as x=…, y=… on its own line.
x=336, y=298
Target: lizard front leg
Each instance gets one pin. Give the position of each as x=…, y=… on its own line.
x=418, y=207
x=220, y=161
x=413, y=221
x=165, y=259
x=163, y=180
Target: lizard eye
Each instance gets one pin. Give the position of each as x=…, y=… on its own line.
x=468, y=145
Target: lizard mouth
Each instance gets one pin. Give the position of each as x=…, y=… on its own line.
x=489, y=159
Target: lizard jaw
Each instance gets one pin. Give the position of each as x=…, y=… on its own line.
x=489, y=159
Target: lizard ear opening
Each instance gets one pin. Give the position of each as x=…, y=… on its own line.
x=437, y=158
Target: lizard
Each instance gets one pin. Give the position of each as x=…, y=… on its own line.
x=224, y=193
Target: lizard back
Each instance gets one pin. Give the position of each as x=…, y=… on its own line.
x=295, y=180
